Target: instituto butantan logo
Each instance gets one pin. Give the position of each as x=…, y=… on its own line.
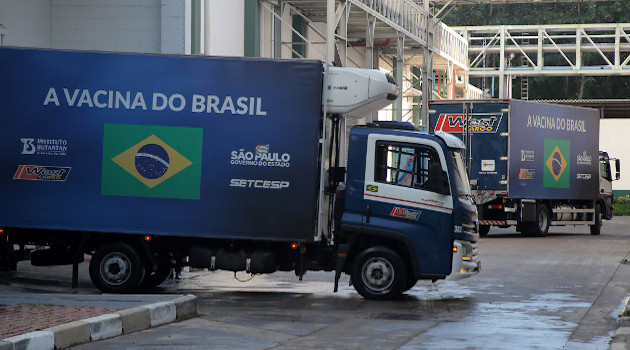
x=151, y=161
x=556, y=172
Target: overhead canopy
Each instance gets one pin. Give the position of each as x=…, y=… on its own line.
x=502, y=2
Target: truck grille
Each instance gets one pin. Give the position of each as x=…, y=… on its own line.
x=469, y=227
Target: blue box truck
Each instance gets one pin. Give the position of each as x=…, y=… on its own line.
x=149, y=162
x=532, y=165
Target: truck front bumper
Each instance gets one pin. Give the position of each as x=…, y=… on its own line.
x=465, y=260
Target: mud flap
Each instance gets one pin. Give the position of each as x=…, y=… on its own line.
x=342, y=254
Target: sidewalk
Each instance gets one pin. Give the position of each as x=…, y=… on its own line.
x=621, y=338
x=57, y=321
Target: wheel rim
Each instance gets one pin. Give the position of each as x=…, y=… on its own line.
x=115, y=269
x=543, y=220
x=378, y=274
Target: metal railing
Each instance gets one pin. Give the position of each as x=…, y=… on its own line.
x=407, y=17
x=560, y=50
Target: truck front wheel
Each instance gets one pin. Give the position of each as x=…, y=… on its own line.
x=379, y=273
x=116, y=268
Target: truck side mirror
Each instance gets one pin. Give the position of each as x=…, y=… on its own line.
x=617, y=169
x=438, y=181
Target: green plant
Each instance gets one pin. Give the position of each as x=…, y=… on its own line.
x=622, y=206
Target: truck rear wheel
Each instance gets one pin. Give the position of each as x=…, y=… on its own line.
x=483, y=230
x=379, y=273
x=540, y=227
x=596, y=229
x=116, y=268
x=157, y=277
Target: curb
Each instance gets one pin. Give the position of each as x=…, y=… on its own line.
x=105, y=326
x=622, y=334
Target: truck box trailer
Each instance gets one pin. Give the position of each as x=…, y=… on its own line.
x=148, y=162
x=531, y=164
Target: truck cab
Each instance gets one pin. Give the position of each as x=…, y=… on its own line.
x=606, y=197
x=408, y=209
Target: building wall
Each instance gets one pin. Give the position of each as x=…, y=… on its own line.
x=612, y=136
x=147, y=26
x=27, y=22
x=226, y=28
x=106, y=25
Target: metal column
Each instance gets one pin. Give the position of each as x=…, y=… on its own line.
x=502, y=64
x=277, y=31
x=427, y=70
x=331, y=25
x=400, y=61
x=369, y=54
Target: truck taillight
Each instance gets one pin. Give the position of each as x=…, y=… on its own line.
x=495, y=206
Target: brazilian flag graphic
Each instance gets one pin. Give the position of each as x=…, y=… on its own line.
x=556, y=169
x=151, y=161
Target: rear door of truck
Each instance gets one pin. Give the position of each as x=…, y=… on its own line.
x=482, y=126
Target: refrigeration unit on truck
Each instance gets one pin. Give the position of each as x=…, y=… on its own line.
x=532, y=165
x=148, y=162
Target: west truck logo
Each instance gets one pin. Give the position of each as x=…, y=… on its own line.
x=479, y=123
x=556, y=169
x=527, y=174
x=152, y=161
x=41, y=173
x=405, y=213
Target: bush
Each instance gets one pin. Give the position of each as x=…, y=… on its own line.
x=622, y=206
x=623, y=200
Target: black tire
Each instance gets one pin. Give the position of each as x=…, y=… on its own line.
x=596, y=229
x=411, y=281
x=379, y=273
x=116, y=268
x=483, y=230
x=543, y=220
x=157, y=277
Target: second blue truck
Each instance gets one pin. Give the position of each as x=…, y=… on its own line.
x=531, y=165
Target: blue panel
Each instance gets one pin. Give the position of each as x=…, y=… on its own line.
x=184, y=145
x=483, y=139
x=554, y=151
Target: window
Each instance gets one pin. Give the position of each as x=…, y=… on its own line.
x=403, y=164
x=604, y=169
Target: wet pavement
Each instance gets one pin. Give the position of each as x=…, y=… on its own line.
x=563, y=291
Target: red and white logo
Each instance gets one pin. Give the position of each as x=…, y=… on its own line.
x=479, y=123
x=405, y=213
x=41, y=173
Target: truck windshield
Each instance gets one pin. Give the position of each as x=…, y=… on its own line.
x=461, y=178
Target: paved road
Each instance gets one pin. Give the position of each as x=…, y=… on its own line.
x=563, y=291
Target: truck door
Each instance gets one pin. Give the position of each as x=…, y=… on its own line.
x=399, y=203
